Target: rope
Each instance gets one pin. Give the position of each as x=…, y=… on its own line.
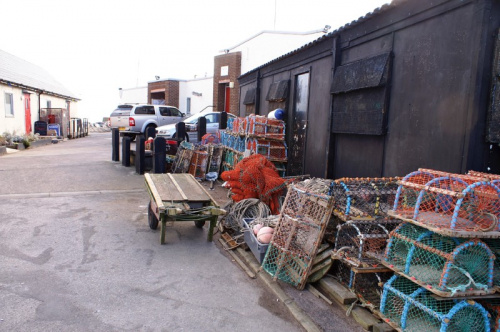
x=464, y=287
x=246, y=208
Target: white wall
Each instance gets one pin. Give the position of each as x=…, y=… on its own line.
x=138, y=95
x=193, y=89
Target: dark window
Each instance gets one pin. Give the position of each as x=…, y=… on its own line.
x=175, y=112
x=145, y=110
x=278, y=91
x=212, y=117
x=165, y=111
x=9, y=105
x=249, y=97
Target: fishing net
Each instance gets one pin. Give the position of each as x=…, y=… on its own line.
x=450, y=205
x=295, y=241
x=445, y=265
x=255, y=177
x=365, y=283
x=493, y=308
x=363, y=198
x=412, y=308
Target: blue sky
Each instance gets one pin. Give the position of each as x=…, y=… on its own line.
x=94, y=47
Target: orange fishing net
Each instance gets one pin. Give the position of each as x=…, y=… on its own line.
x=255, y=177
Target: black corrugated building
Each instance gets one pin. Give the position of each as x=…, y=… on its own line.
x=413, y=84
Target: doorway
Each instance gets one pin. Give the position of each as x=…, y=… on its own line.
x=297, y=159
x=27, y=112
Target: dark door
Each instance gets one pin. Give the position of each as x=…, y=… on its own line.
x=27, y=112
x=299, y=125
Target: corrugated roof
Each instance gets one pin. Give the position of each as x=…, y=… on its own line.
x=375, y=12
x=18, y=71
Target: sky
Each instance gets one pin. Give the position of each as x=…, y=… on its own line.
x=94, y=47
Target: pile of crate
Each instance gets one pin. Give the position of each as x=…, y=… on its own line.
x=198, y=160
x=444, y=253
x=254, y=134
x=359, y=228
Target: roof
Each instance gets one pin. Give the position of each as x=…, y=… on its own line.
x=16, y=71
x=375, y=12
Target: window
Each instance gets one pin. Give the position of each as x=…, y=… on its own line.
x=147, y=110
x=175, y=112
x=9, y=104
x=49, y=104
x=212, y=118
x=188, y=105
x=165, y=111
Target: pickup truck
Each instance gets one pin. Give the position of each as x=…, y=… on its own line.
x=119, y=117
x=142, y=117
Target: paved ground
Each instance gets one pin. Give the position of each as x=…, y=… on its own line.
x=77, y=255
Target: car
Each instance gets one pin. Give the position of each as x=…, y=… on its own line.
x=145, y=116
x=213, y=118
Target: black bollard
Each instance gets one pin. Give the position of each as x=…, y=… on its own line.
x=223, y=121
x=202, y=127
x=150, y=132
x=159, y=155
x=181, y=131
x=126, y=151
x=115, y=142
x=140, y=154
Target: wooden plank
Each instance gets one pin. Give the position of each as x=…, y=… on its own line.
x=336, y=291
x=165, y=188
x=191, y=187
x=177, y=186
x=154, y=192
x=364, y=318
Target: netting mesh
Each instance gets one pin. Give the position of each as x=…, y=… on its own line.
x=182, y=159
x=273, y=150
x=415, y=309
x=450, y=205
x=262, y=126
x=363, y=198
x=198, y=164
x=484, y=175
x=493, y=308
x=357, y=238
x=216, y=152
x=296, y=239
x=443, y=264
x=366, y=285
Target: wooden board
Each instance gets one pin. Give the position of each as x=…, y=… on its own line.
x=178, y=188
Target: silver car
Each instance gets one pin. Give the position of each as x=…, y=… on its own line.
x=213, y=119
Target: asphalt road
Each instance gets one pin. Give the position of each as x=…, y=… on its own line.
x=76, y=254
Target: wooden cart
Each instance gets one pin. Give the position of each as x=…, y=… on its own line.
x=179, y=197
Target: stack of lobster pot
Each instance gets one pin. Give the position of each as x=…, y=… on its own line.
x=359, y=227
x=444, y=254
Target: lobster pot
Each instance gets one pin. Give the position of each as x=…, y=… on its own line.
x=261, y=126
x=240, y=144
x=413, y=308
x=198, y=166
x=224, y=137
x=356, y=238
x=493, y=308
x=467, y=178
x=230, y=123
x=228, y=160
x=183, y=157
x=365, y=283
x=445, y=265
x=298, y=234
x=484, y=175
x=363, y=198
x=215, y=153
x=451, y=206
x=494, y=245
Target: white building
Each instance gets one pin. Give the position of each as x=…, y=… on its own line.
x=25, y=89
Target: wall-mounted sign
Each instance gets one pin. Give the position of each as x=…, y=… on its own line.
x=224, y=70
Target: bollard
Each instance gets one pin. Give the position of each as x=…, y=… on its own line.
x=115, y=142
x=150, y=132
x=126, y=151
x=223, y=121
x=140, y=155
x=202, y=127
x=181, y=131
x=159, y=155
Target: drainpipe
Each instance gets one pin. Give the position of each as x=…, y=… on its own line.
x=257, y=94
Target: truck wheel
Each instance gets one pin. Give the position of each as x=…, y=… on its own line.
x=148, y=128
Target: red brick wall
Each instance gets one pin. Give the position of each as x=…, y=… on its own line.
x=233, y=62
x=171, y=88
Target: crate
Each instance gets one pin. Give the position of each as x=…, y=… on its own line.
x=446, y=266
x=198, y=164
x=450, y=206
x=413, y=308
x=363, y=198
x=272, y=150
x=258, y=249
x=297, y=237
x=261, y=126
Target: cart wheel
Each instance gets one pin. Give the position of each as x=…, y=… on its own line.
x=199, y=223
x=152, y=220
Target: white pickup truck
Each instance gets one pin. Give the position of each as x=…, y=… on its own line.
x=141, y=117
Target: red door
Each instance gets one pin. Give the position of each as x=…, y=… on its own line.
x=27, y=112
x=227, y=99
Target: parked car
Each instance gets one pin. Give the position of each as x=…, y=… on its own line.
x=213, y=119
x=142, y=117
x=119, y=117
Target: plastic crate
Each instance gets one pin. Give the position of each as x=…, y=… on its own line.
x=258, y=249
